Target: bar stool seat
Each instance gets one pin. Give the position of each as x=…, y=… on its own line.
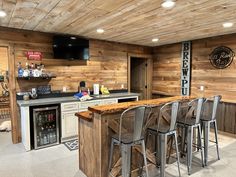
x=162, y=129
x=188, y=122
x=126, y=138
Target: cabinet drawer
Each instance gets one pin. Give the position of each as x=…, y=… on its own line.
x=69, y=106
x=86, y=104
x=109, y=101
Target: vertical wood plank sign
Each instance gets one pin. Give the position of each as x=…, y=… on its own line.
x=186, y=58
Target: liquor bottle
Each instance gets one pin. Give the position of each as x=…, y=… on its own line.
x=26, y=72
x=20, y=70
x=31, y=69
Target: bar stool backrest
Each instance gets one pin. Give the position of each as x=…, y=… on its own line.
x=211, y=106
x=132, y=122
x=169, y=112
x=195, y=109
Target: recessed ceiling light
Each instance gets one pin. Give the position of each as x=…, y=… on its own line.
x=2, y=13
x=100, y=30
x=155, y=40
x=227, y=25
x=168, y=4
x=73, y=37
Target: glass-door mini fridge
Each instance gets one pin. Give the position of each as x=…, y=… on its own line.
x=46, y=126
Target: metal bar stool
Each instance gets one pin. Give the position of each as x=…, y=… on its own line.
x=135, y=118
x=169, y=113
x=188, y=123
x=208, y=118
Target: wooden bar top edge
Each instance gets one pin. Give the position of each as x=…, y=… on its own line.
x=118, y=107
x=86, y=115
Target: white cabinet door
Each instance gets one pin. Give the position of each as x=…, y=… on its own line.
x=69, y=125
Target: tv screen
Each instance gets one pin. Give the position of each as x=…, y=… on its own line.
x=70, y=47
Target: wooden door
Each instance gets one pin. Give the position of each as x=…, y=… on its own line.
x=138, y=75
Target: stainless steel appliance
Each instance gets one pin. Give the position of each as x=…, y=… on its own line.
x=45, y=126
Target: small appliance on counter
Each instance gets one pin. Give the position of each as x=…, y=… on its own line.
x=82, y=87
x=96, y=89
x=33, y=93
x=104, y=90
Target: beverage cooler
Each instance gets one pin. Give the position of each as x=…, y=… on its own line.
x=45, y=126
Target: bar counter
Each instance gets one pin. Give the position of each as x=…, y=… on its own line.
x=96, y=127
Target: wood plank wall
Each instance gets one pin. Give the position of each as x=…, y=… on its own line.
x=107, y=65
x=166, y=70
x=166, y=75
x=3, y=63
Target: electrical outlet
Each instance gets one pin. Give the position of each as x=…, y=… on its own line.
x=122, y=86
x=202, y=88
x=64, y=89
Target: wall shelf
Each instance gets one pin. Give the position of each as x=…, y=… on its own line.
x=36, y=78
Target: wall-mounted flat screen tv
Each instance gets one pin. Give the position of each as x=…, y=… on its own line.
x=70, y=47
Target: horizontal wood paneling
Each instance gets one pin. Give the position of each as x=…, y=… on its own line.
x=3, y=63
x=107, y=65
x=166, y=69
x=215, y=81
x=166, y=77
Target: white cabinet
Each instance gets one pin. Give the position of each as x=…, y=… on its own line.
x=108, y=101
x=84, y=105
x=69, y=122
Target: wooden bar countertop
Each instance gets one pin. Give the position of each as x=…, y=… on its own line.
x=119, y=107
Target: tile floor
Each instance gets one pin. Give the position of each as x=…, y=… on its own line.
x=58, y=161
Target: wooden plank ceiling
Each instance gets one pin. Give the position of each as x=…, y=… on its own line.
x=127, y=21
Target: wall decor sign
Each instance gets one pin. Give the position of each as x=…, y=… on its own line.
x=221, y=57
x=32, y=55
x=186, y=58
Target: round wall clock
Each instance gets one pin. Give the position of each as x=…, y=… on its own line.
x=221, y=57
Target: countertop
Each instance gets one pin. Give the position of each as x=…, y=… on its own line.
x=107, y=109
x=119, y=107
x=57, y=100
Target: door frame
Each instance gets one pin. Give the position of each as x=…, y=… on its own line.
x=149, y=71
x=12, y=90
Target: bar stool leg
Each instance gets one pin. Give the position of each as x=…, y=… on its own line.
x=145, y=157
x=183, y=135
x=125, y=160
x=111, y=156
x=177, y=152
x=189, y=148
x=216, y=139
x=170, y=148
x=200, y=144
x=146, y=141
x=206, y=126
x=162, y=153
